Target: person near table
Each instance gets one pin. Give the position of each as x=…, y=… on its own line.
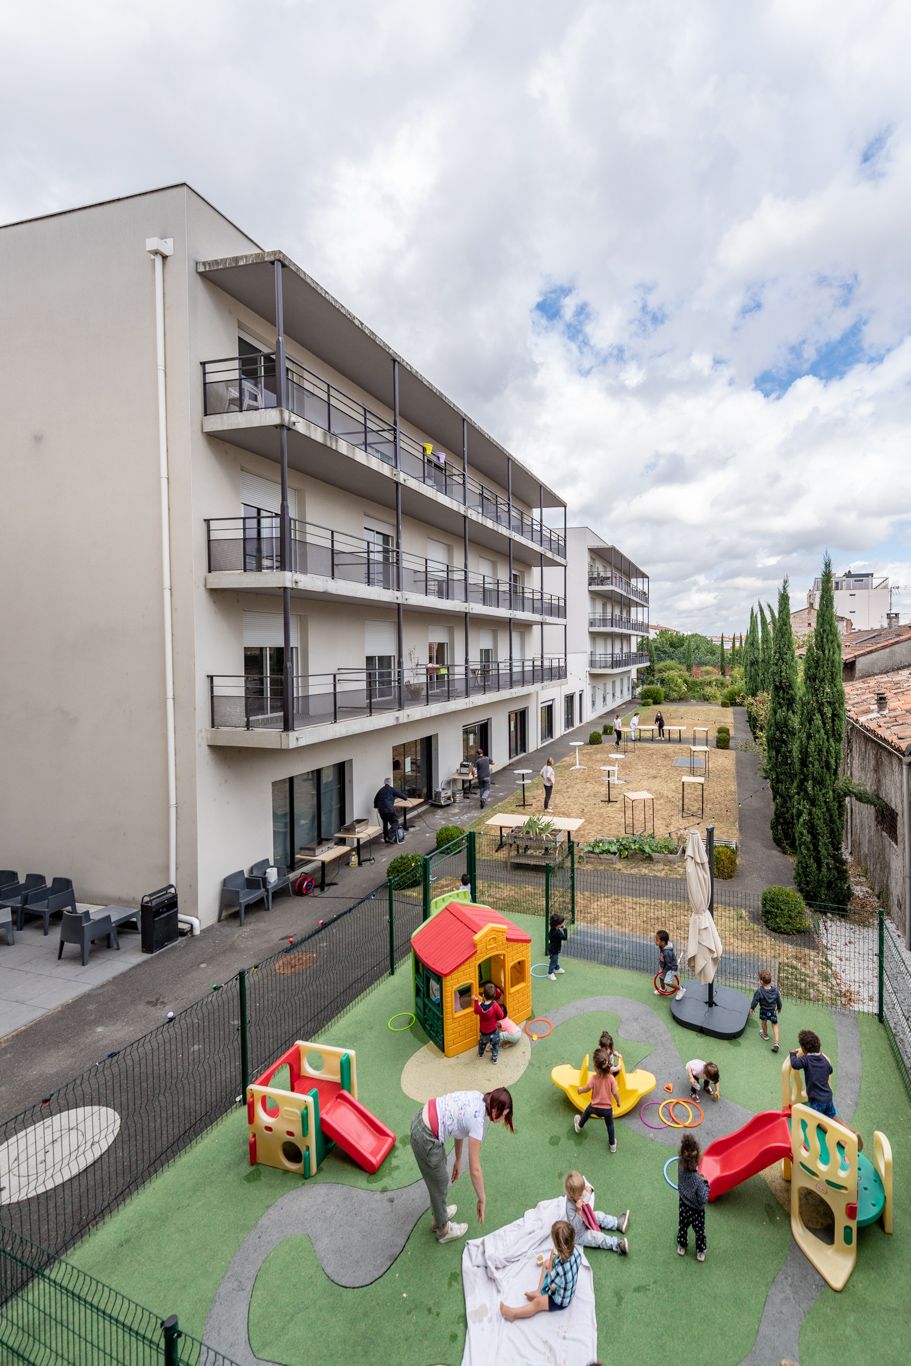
x=483, y=766
x=460, y=1115
x=618, y=730
x=634, y=727
x=659, y=722
x=385, y=801
x=549, y=779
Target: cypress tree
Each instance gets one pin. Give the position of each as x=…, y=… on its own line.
x=751, y=660
x=688, y=654
x=819, y=866
x=765, y=651
x=721, y=663
x=781, y=731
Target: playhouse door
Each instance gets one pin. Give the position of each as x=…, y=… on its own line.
x=493, y=969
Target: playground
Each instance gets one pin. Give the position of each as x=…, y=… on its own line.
x=264, y=1265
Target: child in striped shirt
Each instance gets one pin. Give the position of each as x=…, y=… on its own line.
x=558, y=1279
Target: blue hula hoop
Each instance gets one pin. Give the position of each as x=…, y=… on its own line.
x=666, y=1177
x=545, y=966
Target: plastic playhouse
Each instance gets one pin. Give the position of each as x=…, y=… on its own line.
x=292, y=1127
x=463, y=945
x=633, y=1086
x=817, y=1154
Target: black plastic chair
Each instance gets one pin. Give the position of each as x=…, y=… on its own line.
x=281, y=883
x=8, y=880
x=16, y=896
x=82, y=928
x=239, y=891
x=48, y=901
x=6, y=924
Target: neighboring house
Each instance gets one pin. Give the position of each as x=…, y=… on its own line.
x=607, y=617
x=878, y=755
x=804, y=619
x=344, y=568
x=876, y=652
x=862, y=597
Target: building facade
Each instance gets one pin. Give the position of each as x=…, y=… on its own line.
x=263, y=563
x=606, y=618
x=861, y=597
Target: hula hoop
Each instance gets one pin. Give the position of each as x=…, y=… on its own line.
x=690, y=1123
x=538, y=1034
x=408, y=1015
x=644, y=1120
x=545, y=966
x=666, y=1177
x=676, y=1123
x=665, y=991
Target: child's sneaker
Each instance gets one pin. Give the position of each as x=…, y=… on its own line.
x=613, y=1147
x=700, y=1256
x=559, y=969
x=681, y=1251
x=657, y=992
x=577, y=1123
x=453, y=1233
x=622, y=1247
x=763, y=1034
x=775, y=1047
x=494, y=1060
x=624, y=1222
x=552, y=976
x=679, y=993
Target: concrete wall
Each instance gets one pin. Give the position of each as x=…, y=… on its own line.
x=879, y=770
x=896, y=656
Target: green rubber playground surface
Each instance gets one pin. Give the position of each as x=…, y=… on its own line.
x=170, y=1246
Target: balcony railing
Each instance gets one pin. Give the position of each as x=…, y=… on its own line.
x=246, y=384
x=254, y=702
x=621, y=661
x=596, y=580
x=608, y=623
x=252, y=543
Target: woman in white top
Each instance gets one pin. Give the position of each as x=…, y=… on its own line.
x=548, y=778
x=459, y=1115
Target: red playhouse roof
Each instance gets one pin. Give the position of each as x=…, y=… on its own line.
x=447, y=941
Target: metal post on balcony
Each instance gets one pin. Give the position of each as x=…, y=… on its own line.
x=369, y=578
x=510, y=651
x=332, y=554
x=369, y=680
x=395, y=414
x=335, y=697
x=365, y=431
x=285, y=511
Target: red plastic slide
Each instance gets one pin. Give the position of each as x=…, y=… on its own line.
x=357, y=1132
x=764, y=1139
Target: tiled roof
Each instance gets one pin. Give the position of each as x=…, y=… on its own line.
x=447, y=941
x=866, y=642
x=892, y=726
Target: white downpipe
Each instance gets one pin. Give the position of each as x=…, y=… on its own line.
x=159, y=248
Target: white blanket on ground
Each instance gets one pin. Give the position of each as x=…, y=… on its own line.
x=502, y=1266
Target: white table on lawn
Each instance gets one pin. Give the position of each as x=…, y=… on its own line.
x=699, y=784
x=678, y=729
x=567, y=825
x=704, y=732
x=577, y=745
x=523, y=774
x=651, y=732
x=702, y=750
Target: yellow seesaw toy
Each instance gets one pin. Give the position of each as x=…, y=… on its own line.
x=633, y=1086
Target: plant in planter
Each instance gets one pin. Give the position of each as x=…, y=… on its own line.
x=783, y=910
x=631, y=846
x=537, y=825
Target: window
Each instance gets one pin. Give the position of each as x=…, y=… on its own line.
x=475, y=736
x=461, y=998
x=569, y=711
x=380, y=567
x=306, y=810
x=887, y=821
x=547, y=722
x=517, y=974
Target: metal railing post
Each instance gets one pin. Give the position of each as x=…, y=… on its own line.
x=332, y=554
x=880, y=975
x=547, y=871
x=472, y=862
x=244, y=1037
x=170, y=1336
x=335, y=697
x=425, y=887
x=390, y=922
x=572, y=879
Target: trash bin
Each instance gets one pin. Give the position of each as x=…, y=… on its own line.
x=158, y=919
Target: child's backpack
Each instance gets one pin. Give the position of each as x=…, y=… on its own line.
x=303, y=885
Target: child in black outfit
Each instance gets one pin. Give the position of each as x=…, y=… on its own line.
x=693, y=1190
x=556, y=938
x=667, y=964
x=768, y=998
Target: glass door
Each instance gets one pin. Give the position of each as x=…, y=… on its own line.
x=475, y=737
x=518, y=732
x=379, y=571
x=411, y=765
x=264, y=678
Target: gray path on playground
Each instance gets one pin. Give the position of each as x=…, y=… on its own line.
x=760, y=863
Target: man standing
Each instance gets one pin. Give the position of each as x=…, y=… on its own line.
x=481, y=771
x=385, y=801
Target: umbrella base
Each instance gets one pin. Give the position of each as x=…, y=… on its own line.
x=726, y=1019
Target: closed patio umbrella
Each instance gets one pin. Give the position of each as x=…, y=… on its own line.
x=703, y=945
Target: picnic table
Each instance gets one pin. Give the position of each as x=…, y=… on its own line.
x=567, y=825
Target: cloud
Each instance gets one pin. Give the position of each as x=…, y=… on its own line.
x=661, y=253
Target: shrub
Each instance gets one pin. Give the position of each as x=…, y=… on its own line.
x=651, y=695
x=405, y=870
x=725, y=861
x=722, y=738
x=624, y=845
x=595, y=738
x=732, y=697
x=447, y=833
x=783, y=910
x=607, y=728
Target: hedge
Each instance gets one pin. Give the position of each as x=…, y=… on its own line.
x=725, y=861
x=405, y=870
x=783, y=911
x=447, y=833
x=595, y=738
x=651, y=695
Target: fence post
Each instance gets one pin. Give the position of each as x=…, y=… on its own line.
x=390, y=919
x=881, y=930
x=572, y=881
x=244, y=1038
x=170, y=1336
x=472, y=868
x=546, y=904
x=425, y=888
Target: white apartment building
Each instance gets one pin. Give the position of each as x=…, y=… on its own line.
x=606, y=617
x=223, y=489
x=864, y=599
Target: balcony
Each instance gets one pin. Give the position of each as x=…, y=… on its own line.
x=241, y=384
x=608, y=623
x=606, y=663
x=252, y=545
x=254, y=702
x=607, y=580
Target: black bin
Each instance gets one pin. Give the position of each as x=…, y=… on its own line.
x=158, y=919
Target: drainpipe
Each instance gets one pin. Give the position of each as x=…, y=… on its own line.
x=159, y=248
x=906, y=836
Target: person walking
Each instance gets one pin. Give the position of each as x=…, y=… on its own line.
x=659, y=722
x=385, y=801
x=549, y=779
x=483, y=767
x=460, y=1115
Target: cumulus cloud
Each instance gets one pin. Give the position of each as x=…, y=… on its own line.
x=661, y=250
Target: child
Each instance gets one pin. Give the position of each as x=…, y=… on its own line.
x=603, y=1086
x=559, y=1275
x=705, y=1072
x=465, y=881
x=615, y=1059
x=693, y=1190
x=491, y=1013
x=667, y=964
x=814, y=1063
x=556, y=938
x=768, y=998
x=591, y=1226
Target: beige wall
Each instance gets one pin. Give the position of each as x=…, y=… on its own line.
x=879, y=770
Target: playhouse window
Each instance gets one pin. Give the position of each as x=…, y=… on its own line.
x=434, y=990
x=461, y=999
x=517, y=973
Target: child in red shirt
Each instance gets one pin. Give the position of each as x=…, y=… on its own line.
x=491, y=1013
x=603, y=1086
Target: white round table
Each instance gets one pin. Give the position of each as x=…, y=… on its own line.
x=577, y=744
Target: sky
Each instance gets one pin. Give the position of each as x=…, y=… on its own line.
x=659, y=250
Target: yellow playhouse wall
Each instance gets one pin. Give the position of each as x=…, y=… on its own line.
x=461, y=1028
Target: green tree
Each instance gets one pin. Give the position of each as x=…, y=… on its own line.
x=781, y=733
x=721, y=663
x=819, y=866
x=734, y=660
x=752, y=664
x=765, y=650
x=688, y=653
